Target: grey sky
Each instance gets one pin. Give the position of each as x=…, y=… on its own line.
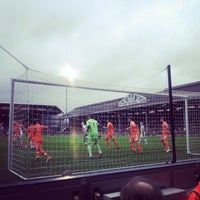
x=106, y=41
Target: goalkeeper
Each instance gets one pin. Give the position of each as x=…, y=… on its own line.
x=93, y=136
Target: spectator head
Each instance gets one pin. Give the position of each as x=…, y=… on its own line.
x=140, y=188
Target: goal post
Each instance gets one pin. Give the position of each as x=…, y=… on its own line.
x=62, y=107
x=187, y=126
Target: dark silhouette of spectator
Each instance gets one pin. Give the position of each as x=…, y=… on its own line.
x=141, y=188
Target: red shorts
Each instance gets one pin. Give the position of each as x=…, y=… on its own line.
x=134, y=138
x=164, y=136
x=109, y=135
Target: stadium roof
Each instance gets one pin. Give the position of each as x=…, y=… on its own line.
x=191, y=87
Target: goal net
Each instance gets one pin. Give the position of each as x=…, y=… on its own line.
x=61, y=107
x=192, y=126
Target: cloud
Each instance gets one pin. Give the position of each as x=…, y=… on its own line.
x=112, y=42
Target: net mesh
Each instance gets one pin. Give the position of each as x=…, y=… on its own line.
x=62, y=106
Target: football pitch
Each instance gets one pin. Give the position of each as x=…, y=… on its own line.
x=69, y=152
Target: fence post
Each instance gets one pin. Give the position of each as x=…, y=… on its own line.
x=171, y=110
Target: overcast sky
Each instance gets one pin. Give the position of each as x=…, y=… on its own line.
x=106, y=41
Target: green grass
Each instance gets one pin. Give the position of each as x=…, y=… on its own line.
x=5, y=175
x=69, y=152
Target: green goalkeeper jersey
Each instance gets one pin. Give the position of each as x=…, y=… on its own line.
x=93, y=127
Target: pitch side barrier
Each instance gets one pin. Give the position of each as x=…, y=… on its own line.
x=176, y=175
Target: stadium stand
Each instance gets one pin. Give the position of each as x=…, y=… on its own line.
x=34, y=109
